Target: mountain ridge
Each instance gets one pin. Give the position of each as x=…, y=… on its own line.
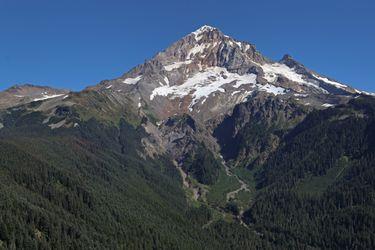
x=208, y=56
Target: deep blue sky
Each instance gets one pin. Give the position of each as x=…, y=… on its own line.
x=76, y=43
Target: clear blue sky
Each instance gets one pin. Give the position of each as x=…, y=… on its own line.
x=76, y=43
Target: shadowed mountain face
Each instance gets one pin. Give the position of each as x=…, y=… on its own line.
x=209, y=144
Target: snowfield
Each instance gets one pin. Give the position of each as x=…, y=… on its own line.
x=46, y=96
x=272, y=71
x=214, y=79
x=132, y=81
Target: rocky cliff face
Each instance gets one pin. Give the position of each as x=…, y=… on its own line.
x=255, y=128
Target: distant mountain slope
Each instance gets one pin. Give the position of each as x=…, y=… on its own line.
x=22, y=94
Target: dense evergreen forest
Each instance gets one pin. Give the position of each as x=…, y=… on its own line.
x=86, y=187
x=318, y=188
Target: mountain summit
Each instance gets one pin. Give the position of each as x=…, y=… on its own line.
x=207, y=73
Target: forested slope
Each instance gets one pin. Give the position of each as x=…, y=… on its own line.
x=89, y=187
x=318, y=188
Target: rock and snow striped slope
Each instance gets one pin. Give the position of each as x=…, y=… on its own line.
x=215, y=79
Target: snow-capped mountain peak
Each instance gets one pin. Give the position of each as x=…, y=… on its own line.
x=202, y=30
x=207, y=73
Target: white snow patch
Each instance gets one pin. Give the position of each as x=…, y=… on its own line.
x=65, y=97
x=202, y=84
x=176, y=65
x=1, y=125
x=272, y=89
x=166, y=80
x=108, y=87
x=132, y=81
x=45, y=97
x=367, y=93
x=198, y=33
x=199, y=48
x=233, y=42
x=249, y=78
x=245, y=95
x=235, y=92
x=364, y=92
x=272, y=71
x=301, y=95
x=239, y=44
x=19, y=96
x=327, y=105
x=326, y=80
